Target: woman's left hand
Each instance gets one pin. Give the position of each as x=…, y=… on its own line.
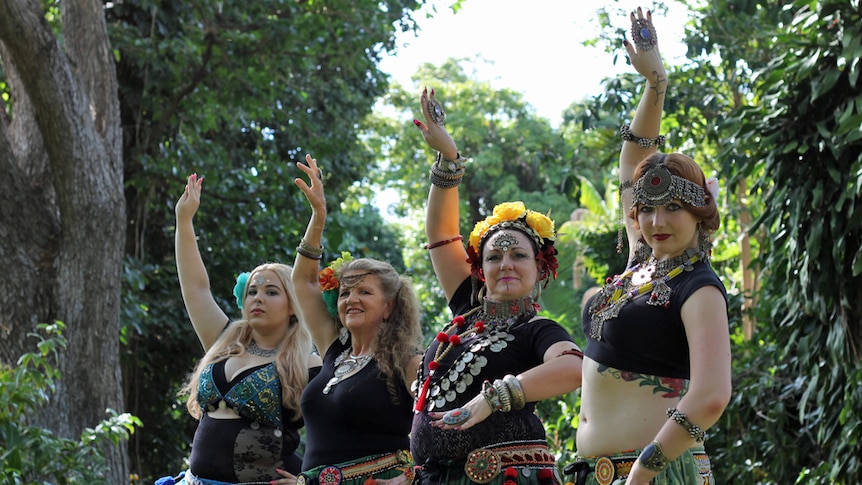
x=314, y=189
x=465, y=417
x=286, y=478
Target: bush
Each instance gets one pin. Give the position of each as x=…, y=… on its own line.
x=30, y=454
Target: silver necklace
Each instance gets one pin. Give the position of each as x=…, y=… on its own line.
x=253, y=349
x=346, y=365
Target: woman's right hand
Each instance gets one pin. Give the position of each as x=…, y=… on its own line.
x=642, y=49
x=189, y=202
x=435, y=135
x=313, y=192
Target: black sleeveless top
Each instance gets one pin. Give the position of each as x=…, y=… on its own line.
x=356, y=418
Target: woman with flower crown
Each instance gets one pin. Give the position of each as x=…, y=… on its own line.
x=657, y=370
x=246, y=389
x=364, y=320
x=481, y=377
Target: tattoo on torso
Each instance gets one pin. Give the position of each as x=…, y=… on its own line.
x=668, y=387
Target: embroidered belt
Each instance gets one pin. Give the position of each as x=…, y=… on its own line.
x=484, y=464
x=617, y=467
x=364, y=467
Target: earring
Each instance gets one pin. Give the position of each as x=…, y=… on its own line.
x=642, y=250
x=704, y=242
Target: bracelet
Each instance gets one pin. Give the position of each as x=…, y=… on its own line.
x=443, y=242
x=681, y=419
x=447, y=174
x=309, y=251
x=516, y=390
x=491, y=396
x=627, y=135
x=505, y=395
x=575, y=352
x=652, y=457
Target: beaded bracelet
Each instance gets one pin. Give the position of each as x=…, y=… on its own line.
x=627, y=135
x=516, y=390
x=443, y=242
x=681, y=419
x=309, y=251
x=491, y=396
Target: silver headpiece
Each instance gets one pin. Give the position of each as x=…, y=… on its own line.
x=658, y=187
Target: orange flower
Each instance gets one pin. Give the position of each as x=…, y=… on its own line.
x=327, y=279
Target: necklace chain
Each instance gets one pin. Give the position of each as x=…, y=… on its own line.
x=254, y=349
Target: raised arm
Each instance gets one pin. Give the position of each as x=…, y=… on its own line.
x=442, y=214
x=306, y=284
x=643, y=52
x=207, y=318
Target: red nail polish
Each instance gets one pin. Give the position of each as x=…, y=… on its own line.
x=416, y=122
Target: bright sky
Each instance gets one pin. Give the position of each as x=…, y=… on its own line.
x=533, y=47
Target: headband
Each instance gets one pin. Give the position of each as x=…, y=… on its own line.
x=658, y=186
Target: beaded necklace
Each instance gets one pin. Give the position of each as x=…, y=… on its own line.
x=619, y=291
x=489, y=331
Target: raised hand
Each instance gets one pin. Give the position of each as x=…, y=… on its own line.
x=433, y=129
x=313, y=191
x=642, y=50
x=188, y=203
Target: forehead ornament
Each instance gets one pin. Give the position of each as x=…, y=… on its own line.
x=259, y=280
x=658, y=187
x=504, y=241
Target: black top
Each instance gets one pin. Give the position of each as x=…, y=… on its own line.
x=243, y=450
x=650, y=339
x=525, y=345
x=356, y=419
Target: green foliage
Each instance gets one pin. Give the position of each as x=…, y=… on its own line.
x=30, y=454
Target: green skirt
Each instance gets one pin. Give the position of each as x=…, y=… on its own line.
x=690, y=468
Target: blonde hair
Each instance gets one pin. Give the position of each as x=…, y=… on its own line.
x=399, y=339
x=291, y=360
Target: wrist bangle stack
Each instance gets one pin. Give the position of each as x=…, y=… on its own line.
x=652, y=457
x=627, y=135
x=309, y=251
x=519, y=399
x=447, y=174
x=505, y=395
x=681, y=419
x=489, y=392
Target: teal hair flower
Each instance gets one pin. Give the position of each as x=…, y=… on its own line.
x=239, y=288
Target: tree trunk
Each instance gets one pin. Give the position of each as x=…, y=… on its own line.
x=61, y=227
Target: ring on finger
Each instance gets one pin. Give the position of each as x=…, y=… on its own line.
x=436, y=113
x=456, y=416
x=643, y=34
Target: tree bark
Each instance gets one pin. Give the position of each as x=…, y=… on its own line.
x=62, y=223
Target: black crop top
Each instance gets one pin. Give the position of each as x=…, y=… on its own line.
x=650, y=339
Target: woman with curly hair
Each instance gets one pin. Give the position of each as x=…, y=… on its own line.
x=364, y=322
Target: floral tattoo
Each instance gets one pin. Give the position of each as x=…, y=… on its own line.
x=668, y=387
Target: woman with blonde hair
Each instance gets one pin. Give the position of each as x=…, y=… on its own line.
x=246, y=389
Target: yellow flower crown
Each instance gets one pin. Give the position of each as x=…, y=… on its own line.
x=516, y=215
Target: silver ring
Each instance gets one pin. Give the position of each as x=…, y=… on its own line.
x=643, y=34
x=435, y=111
